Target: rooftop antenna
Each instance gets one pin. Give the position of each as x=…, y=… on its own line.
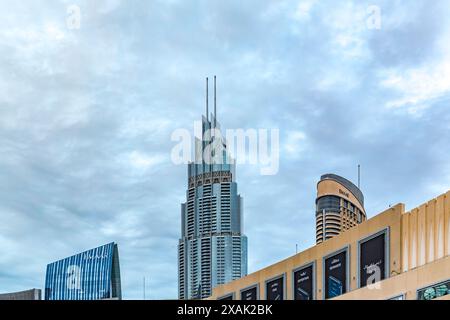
x=144, y=288
x=207, y=116
x=215, y=104
x=359, y=176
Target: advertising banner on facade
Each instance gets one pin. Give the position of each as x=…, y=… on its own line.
x=372, y=260
x=275, y=289
x=250, y=294
x=304, y=283
x=336, y=275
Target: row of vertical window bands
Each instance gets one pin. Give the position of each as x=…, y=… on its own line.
x=329, y=222
x=320, y=228
x=333, y=231
x=328, y=234
x=348, y=205
x=332, y=224
x=329, y=216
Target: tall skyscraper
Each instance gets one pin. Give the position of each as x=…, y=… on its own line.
x=339, y=206
x=212, y=249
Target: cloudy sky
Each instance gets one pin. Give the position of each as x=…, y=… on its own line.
x=86, y=116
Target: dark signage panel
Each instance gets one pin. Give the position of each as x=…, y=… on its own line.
x=336, y=275
x=372, y=260
x=303, y=283
x=275, y=289
x=250, y=294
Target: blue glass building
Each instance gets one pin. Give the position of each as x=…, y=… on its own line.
x=91, y=275
x=212, y=249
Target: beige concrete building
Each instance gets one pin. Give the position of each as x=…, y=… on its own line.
x=339, y=206
x=394, y=255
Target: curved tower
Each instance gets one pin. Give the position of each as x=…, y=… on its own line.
x=212, y=249
x=339, y=206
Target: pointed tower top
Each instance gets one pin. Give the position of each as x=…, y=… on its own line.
x=215, y=103
x=207, y=111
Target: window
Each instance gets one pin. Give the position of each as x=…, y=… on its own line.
x=328, y=203
x=434, y=291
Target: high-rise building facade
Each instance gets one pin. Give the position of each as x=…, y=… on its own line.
x=339, y=206
x=212, y=249
x=91, y=275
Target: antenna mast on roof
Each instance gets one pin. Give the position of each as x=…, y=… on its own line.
x=359, y=176
x=215, y=104
x=207, y=116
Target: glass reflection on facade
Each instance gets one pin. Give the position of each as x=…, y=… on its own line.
x=91, y=275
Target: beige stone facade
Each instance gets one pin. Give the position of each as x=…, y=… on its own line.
x=417, y=252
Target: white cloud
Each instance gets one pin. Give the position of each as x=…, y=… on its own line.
x=124, y=225
x=418, y=88
x=142, y=161
x=53, y=32
x=303, y=9
x=295, y=144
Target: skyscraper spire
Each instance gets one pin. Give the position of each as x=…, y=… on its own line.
x=204, y=249
x=215, y=104
x=207, y=111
